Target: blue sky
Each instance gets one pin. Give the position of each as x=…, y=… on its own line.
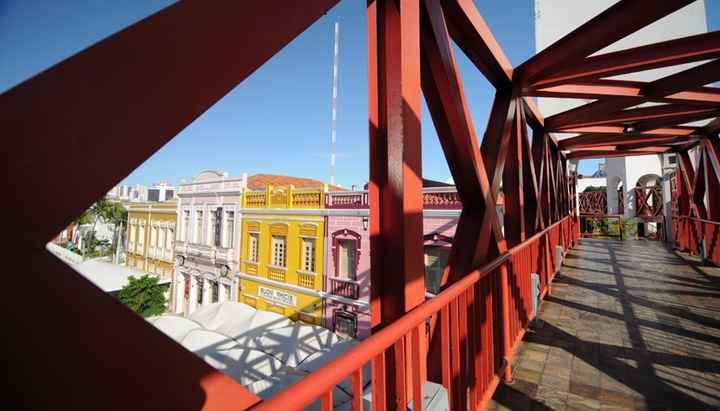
x=278, y=120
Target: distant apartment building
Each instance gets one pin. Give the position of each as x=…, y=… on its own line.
x=161, y=191
x=151, y=237
x=208, y=240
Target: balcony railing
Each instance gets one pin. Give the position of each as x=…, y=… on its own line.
x=344, y=288
x=433, y=199
x=276, y=273
x=306, y=279
x=352, y=199
x=284, y=197
x=441, y=199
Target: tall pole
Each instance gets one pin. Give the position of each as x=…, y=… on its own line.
x=333, y=125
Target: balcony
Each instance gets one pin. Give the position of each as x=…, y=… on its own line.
x=306, y=279
x=344, y=288
x=226, y=255
x=277, y=273
x=356, y=199
x=251, y=267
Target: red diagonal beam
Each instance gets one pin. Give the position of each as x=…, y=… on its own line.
x=698, y=47
x=686, y=79
x=666, y=112
x=606, y=28
x=657, y=143
x=92, y=119
x=698, y=185
x=130, y=94
x=443, y=91
x=586, y=154
x=475, y=39
x=533, y=216
x=654, y=124
x=609, y=129
x=688, y=180
x=711, y=129
x=630, y=90
x=712, y=178
x=659, y=88
x=592, y=140
x=513, y=187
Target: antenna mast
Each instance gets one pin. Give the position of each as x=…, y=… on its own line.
x=333, y=125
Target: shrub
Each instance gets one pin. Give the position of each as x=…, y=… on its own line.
x=144, y=296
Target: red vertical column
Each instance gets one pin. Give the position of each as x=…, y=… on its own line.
x=397, y=272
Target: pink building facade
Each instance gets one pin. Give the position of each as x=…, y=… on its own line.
x=347, y=254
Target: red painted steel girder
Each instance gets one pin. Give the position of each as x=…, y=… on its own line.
x=470, y=32
x=671, y=113
x=676, y=141
x=619, y=130
x=586, y=154
x=616, y=22
x=592, y=140
x=89, y=121
x=632, y=91
x=445, y=97
x=395, y=168
x=698, y=47
x=153, y=79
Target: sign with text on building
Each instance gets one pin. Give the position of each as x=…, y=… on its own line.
x=277, y=296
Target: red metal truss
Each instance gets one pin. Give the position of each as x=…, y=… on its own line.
x=131, y=93
x=699, y=47
x=606, y=28
x=77, y=129
x=593, y=202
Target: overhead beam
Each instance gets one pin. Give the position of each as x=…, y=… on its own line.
x=630, y=90
x=470, y=32
x=667, y=112
x=698, y=47
x=609, y=129
x=616, y=22
x=587, y=154
x=660, y=143
x=592, y=140
x=686, y=79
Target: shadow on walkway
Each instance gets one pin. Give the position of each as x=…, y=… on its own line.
x=629, y=325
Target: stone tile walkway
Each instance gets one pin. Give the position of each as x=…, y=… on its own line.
x=628, y=325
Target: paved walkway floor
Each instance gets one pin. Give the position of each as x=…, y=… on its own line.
x=628, y=325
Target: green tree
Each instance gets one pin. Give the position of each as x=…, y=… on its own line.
x=144, y=296
x=589, y=189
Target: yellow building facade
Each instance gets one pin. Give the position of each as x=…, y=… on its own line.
x=282, y=252
x=151, y=237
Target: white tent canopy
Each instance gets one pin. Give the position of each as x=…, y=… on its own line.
x=261, y=350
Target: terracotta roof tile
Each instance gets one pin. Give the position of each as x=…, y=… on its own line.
x=260, y=181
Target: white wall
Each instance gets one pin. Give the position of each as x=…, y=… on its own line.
x=636, y=167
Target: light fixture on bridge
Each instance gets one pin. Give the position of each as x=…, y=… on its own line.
x=629, y=128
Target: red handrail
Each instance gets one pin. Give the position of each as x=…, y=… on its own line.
x=317, y=384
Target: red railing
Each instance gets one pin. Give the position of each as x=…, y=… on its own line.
x=476, y=342
x=688, y=231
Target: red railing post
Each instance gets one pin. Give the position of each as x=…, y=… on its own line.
x=505, y=308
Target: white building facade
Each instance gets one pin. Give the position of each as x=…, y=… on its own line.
x=208, y=240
